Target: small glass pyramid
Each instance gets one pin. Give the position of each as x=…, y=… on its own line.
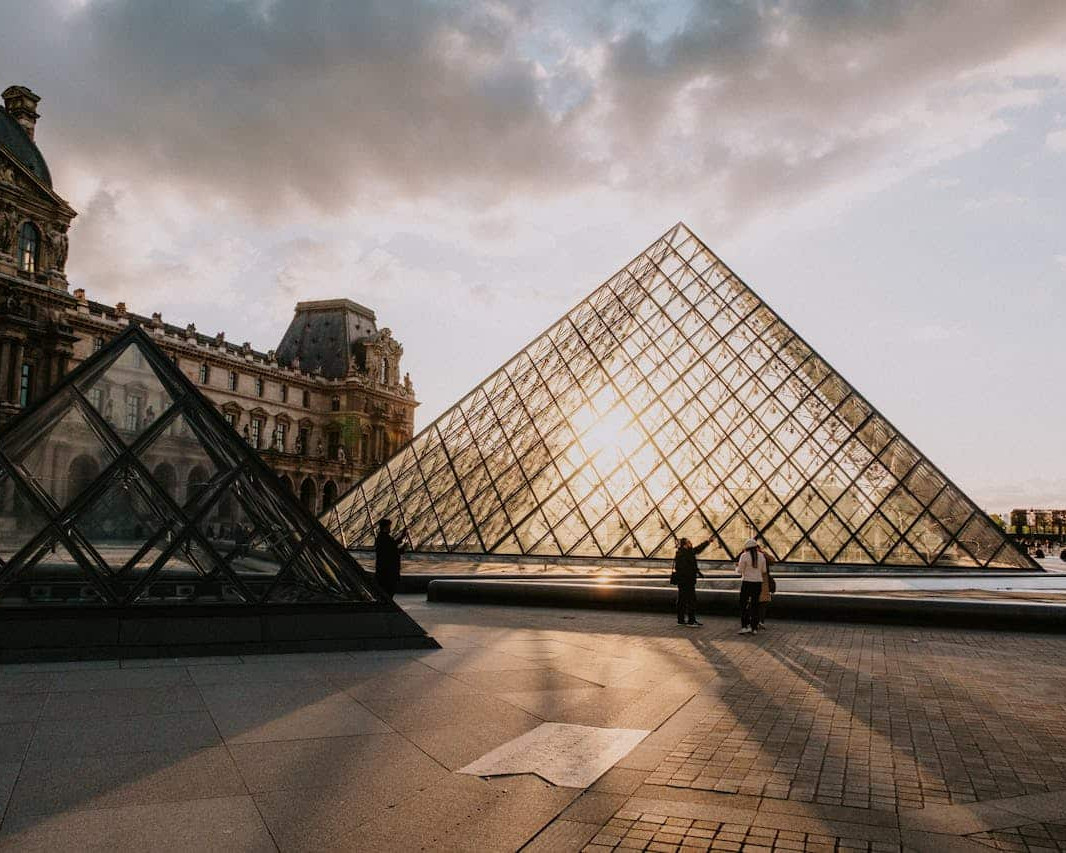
x=125, y=487
x=673, y=402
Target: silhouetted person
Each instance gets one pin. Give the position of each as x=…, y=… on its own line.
x=387, y=550
x=750, y=567
x=685, y=572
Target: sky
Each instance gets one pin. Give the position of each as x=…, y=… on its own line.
x=888, y=175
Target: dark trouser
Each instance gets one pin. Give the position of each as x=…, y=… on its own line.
x=749, y=603
x=388, y=582
x=763, y=605
x=686, y=602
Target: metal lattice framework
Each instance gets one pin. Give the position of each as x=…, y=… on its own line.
x=673, y=402
x=125, y=486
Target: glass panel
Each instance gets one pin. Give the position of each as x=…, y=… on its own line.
x=901, y=509
x=853, y=554
x=179, y=463
x=782, y=535
x=928, y=538
x=121, y=518
x=924, y=483
x=829, y=535
x=981, y=538
x=951, y=509
x=1009, y=557
x=877, y=536
x=128, y=394
x=20, y=518
x=63, y=458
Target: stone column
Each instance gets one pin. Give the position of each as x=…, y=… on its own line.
x=5, y=369
x=16, y=371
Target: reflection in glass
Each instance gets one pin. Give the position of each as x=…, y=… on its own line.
x=124, y=487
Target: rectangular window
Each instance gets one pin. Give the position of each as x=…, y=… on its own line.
x=25, y=384
x=257, y=432
x=133, y=412
x=96, y=398
x=333, y=442
x=258, y=387
x=284, y=393
x=231, y=419
x=233, y=380
x=138, y=357
x=98, y=344
x=205, y=374
x=279, y=437
x=307, y=399
x=304, y=437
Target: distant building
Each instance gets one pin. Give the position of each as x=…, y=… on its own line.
x=323, y=409
x=1040, y=522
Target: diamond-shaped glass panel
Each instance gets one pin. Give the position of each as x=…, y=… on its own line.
x=128, y=394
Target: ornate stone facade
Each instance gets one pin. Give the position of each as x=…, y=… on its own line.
x=324, y=409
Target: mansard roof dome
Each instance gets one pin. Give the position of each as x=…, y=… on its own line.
x=18, y=144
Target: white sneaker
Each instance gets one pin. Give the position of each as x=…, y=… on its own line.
x=744, y=631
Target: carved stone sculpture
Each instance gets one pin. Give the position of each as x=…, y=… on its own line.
x=59, y=243
x=8, y=221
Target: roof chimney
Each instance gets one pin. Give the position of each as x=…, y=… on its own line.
x=21, y=105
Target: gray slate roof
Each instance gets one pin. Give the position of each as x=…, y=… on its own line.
x=323, y=334
x=14, y=139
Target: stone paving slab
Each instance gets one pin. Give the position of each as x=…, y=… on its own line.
x=812, y=736
x=565, y=755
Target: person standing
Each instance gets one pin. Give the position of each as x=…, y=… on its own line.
x=750, y=567
x=766, y=592
x=387, y=551
x=685, y=573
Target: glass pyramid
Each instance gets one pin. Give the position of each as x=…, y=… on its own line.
x=125, y=487
x=673, y=402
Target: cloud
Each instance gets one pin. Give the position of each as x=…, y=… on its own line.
x=1056, y=141
x=268, y=108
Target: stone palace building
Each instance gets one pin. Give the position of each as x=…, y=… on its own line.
x=324, y=408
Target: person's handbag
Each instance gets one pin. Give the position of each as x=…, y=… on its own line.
x=773, y=583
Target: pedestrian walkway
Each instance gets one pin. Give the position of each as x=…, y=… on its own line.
x=810, y=736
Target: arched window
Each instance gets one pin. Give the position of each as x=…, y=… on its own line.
x=335, y=404
x=309, y=494
x=329, y=495
x=29, y=247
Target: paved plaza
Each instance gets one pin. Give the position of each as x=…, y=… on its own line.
x=811, y=736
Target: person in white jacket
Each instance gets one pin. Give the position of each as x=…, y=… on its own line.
x=750, y=567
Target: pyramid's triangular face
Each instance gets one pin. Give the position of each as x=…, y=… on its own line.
x=672, y=402
x=125, y=487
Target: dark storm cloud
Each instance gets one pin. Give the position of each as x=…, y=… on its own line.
x=317, y=99
x=329, y=103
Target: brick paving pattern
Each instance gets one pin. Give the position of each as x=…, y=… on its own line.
x=1029, y=838
x=648, y=831
x=873, y=718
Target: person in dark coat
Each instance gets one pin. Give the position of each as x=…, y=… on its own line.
x=686, y=571
x=387, y=551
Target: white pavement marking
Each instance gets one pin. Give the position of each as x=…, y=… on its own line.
x=563, y=754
